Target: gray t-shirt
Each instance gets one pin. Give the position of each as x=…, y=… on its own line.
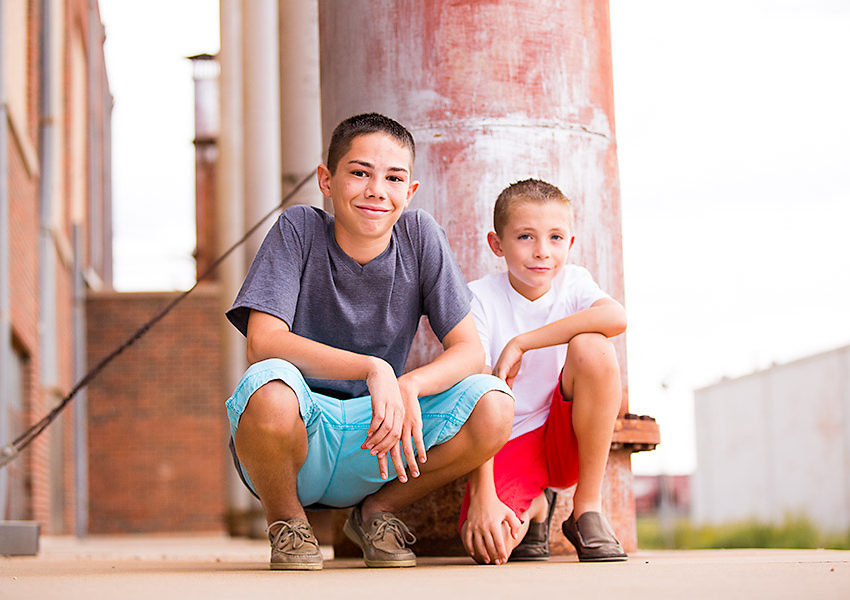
x=302, y=276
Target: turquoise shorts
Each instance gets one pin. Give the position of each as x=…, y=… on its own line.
x=337, y=472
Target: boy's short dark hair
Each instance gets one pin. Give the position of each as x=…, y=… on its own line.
x=364, y=124
x=534, y=190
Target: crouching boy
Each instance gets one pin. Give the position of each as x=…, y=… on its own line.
x=546, y=325
x=324, y=415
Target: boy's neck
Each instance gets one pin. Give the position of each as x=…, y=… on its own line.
x=528, y=292
x=361, y=250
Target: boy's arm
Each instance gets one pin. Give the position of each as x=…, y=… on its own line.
x=462, y=355
x=270, y=337
x=605, y=316
x=484, y=529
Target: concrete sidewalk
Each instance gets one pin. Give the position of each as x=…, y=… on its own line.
x=166, y=568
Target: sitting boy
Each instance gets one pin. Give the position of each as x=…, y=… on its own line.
x=546, y=324
x=330, y=305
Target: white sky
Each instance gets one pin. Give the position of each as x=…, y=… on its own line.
x=733, y=127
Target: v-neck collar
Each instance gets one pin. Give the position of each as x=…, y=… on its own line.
x=344, y=258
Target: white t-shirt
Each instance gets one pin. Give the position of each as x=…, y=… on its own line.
x=502, y=313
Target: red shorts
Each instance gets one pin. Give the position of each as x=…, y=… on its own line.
x=544, y=457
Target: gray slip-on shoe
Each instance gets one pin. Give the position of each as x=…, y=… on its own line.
x=535, y=544
x=593, y=538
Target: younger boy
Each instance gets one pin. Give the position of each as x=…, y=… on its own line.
x=546, y=325
x=324, y=415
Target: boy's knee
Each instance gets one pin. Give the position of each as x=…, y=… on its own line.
x=594, y=354
x=492, y=419
x=272, y=410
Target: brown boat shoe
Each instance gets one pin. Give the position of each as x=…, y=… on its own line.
x=383, y=538
x=294, y=547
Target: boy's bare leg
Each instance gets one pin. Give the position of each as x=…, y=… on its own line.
x=591, y=378
x=538, y=510
x=271, y=443
x=483, y=434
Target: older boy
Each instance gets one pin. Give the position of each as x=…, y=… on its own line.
x=324, y=416
x=546, y=324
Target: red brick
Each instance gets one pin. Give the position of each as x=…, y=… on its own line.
x=157, y=426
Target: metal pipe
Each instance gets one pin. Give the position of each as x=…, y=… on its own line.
x=81, y=446
x=5, y=316
x=261, y=98
x=96, y=258
x=300, y=97
x=47, y=323
x=48, y=346
x=95, y=212
x=108, y=104
x=230, y=212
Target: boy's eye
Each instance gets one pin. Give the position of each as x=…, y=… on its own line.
x=524, y=236
x=395, y=179
x=557, y=237
x=358, y=173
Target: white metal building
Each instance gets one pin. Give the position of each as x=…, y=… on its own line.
x=776, y=443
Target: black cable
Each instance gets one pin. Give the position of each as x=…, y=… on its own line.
x=9, y=452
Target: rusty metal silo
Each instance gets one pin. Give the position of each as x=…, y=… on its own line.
x=494, y=92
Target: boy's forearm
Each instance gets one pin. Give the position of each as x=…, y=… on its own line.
x=313, y=359
x=607, y=318
x=451, y=366
x=462, y=356
x=481, y=481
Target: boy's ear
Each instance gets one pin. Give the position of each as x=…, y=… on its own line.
x=323, y=176
x=495, y=244
x=572, y=241
x=410, y=191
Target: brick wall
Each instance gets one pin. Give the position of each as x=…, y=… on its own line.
x=23, y=245
x=157, y=425
x=47, y=466
x=23, y=297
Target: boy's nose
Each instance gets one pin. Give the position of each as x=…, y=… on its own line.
x=542, y=251
x=374, y=189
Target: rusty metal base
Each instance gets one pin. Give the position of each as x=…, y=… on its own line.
x=434, y=518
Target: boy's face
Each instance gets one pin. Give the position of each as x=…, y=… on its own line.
x=535, y=244
x=370, y=188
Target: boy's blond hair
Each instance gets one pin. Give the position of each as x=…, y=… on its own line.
x=527, y=190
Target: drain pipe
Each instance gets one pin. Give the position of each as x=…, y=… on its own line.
x=5, y=317
x=81, y=464
x=95, y=229
x=49, y=373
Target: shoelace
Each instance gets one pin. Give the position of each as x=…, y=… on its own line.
x=390, y=525
x=297, y=534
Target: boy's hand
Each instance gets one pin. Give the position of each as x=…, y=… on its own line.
x=488, y=523
x=411, y=435
x=387, y=419
x=509, y=362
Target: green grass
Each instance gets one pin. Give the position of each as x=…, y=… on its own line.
x=794, y=532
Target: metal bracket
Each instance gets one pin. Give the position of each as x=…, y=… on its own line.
x=636, y=433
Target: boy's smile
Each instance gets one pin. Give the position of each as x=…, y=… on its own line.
x=370, y=188
x=535, y=243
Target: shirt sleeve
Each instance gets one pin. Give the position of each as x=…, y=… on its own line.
x=480, y=316
x=445, y=297
x=273, y=282
x=585, y=290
